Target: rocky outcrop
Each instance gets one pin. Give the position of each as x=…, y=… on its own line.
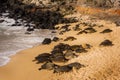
x=101, y=3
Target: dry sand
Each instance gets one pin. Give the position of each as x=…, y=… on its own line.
x=102, y=63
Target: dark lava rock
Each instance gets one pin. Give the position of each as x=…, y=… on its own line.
x=53, y=32
x=2, y=21
x=65, y=68
x=18, y=24
x=46, y=41
x=69, y=54
x=30, y=29
x=106, y=31
x=70, y=38
x=47, y=66
x=106, y=43
x=55, y=39
x=28, y=33
x=44, y=57
x=76, y=65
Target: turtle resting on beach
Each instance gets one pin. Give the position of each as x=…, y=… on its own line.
x=75, y=47
x=69, y=54
x=78, y=48
x=70, y=38
x=81, y=50
x=81, y=32
x=87, y=46
x=77, y=27
x=76, y=65
x=106, y=43
x=68, y=67
x=106, y=31
x=65, y=27
x=117, y=23
x=47, y=66
x=62, y=32
x=65, y=68
x=90, y=30
x=62, y=47
x=44, y=57
x=58, y=58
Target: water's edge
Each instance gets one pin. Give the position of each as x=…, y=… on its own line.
x=13, y=38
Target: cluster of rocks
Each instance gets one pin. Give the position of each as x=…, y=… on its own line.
x=61, y=53
x=101, y=3
x=42, y=17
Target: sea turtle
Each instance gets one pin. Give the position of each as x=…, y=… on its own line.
x=77, y=27
x=81, y=32
x=69, y=54
x=106, y=31
x=62, y=47
x=44, y=57
x=65, y=68
x=75, y=47
x=81, y=50
x=87, y=46
x=75, y=65
x=70, y=38
x=90, y=30
x=48, y=66
x=58, y=57
x=101, y=26
x=117, y=23
x=106, y=43
x=65, y=28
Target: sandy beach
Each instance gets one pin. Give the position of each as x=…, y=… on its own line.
x=101, y=63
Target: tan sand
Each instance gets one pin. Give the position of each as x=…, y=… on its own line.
x=102, y=63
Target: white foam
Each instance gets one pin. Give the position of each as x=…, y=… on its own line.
x=4, y=60
x=13, y=39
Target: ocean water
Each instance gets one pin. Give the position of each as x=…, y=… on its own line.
x=13, y=38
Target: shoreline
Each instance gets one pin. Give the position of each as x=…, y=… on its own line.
x=101, y=62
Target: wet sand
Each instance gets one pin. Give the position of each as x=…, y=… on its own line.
x=101, y=63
